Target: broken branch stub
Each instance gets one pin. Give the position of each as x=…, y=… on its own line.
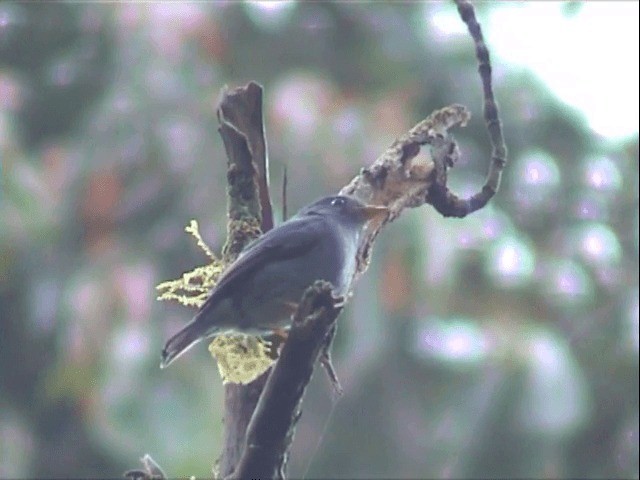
x=399, y=178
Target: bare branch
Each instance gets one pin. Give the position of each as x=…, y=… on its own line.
x=327, y=362
x=242, y=108
x=272, y=427
x=240, y=116
x=443, y=200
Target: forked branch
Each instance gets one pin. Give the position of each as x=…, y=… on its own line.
x=398, y=179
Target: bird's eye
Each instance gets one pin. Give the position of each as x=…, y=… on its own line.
x=337, y=202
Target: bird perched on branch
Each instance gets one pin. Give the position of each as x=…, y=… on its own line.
x=258, y=292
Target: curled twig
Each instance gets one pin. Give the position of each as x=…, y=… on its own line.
x=442, y=199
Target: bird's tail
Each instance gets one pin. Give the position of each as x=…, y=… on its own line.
x=182, y=341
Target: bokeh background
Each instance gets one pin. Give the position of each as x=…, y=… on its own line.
x=504, y=344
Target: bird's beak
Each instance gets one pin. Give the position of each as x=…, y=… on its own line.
x=374, y=211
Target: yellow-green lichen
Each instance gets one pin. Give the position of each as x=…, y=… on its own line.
x=241, y=358
x=192, y=289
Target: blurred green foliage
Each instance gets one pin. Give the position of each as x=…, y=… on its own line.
x=505, y=344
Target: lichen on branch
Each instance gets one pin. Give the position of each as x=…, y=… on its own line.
x=193, y=287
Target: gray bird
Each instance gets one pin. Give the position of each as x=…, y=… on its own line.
x=258, y=292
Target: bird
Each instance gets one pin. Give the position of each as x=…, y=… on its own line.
x=259, y=291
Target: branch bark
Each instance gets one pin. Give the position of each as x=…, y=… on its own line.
x=272, y=426
x=241, y=109
x=249, y=212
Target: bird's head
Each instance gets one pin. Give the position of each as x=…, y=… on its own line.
x=346, y=210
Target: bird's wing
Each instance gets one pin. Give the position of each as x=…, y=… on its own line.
x=291, y=239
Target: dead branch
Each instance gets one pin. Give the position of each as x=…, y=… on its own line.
x=249, y=208
x=442, y=199
x=260, y=417
x=271, y=429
